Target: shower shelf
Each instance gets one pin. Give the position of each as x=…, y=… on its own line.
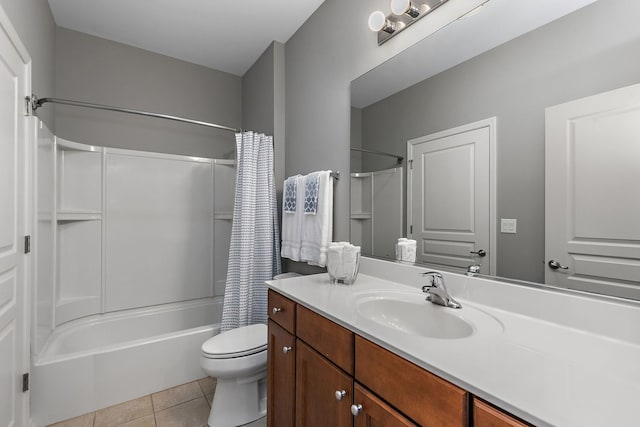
x=79, y=216
x=223, y=215
x=358, y=216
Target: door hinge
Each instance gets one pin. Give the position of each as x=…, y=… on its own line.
x=411, y=229
x=25, y=382
x=410, y=164
x=27, y=244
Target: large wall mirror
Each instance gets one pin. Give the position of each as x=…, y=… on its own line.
x=498, y=73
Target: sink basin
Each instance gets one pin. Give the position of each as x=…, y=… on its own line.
x=410, y=314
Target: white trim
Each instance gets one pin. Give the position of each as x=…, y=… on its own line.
x=492, y=124
x=28, y=213
x=11, y=32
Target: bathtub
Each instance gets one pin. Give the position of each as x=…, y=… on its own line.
x=98, y=361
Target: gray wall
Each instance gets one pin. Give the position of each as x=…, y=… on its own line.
x=590, y=51
x=100, y=71
x=333, y=47
x=263, y=102
x=34, y=23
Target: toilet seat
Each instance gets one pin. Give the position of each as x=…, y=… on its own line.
x=238, y=342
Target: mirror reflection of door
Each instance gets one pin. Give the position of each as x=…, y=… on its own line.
x=592, y=213
x=450, y=201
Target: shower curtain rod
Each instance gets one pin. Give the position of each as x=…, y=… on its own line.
x=381, y=153
x=33, y=103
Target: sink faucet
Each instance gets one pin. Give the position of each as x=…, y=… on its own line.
x=437, y=292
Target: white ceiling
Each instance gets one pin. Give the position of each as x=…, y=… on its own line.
x=226, y=35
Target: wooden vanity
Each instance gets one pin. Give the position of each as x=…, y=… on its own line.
x=322, y=374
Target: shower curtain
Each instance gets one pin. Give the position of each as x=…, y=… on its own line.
x=254, y=254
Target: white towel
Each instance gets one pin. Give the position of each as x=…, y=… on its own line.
x=292, y=223
x=317, y=230
x=334, y=259
x=406, y=250
x=350, y=260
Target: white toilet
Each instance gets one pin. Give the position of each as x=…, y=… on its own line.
x=238, y=360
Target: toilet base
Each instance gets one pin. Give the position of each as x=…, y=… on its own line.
x=235, y=404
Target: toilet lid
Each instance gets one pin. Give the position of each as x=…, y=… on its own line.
x=237, y=342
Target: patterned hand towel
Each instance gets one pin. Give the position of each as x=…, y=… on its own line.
x=290, y=195
x=311, y=191
x=317, y=230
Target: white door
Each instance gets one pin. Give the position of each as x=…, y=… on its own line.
x=592, y=186
x=451, y=204
x=14, y=350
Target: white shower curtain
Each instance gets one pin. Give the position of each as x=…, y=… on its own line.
x=254, y=254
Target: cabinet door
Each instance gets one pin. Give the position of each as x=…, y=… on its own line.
x=485, y=415
x=317, y=381
x=373, y=412
x=281, y=361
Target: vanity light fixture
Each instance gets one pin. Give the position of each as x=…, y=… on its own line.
x=404, y=13
x=378, y=22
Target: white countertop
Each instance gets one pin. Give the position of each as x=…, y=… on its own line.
x=545, y=372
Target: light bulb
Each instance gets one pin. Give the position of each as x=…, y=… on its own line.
x=406, y=7
x=377, y=21
x=399, y=7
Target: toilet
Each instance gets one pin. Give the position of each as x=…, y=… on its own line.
x=238, y=360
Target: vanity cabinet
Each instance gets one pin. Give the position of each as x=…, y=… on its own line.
x=322, y=374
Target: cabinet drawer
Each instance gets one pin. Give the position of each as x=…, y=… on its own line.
x=328, y=338
x=485, y=415
x=282, y=311
x=425, y=398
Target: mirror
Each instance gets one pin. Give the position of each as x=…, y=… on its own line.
x=508, y=62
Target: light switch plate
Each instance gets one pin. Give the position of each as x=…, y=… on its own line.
x=508, y=225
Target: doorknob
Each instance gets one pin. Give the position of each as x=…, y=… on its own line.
x=481, y=253
x=554, y=265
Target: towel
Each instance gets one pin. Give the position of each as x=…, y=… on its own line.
x=406, y=250
x=343, y=260
x=289, y=200
x=311, y=190
x=334, y=259
x=317, y=230
x=292, y=223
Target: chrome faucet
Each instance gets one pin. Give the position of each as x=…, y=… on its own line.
x=437, y=292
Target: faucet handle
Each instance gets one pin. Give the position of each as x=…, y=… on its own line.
x=432, y=273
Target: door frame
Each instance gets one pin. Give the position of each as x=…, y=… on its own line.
x=26, y=170
x=490, y=123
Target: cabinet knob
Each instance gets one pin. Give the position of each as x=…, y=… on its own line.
x=340, y=394
x=356, y=409
x=286, y=349
x=276, y=310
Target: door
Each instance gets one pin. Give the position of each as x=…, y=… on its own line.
x=14, y=349
x=317, y=382
x=592, y=173
x=451, y=202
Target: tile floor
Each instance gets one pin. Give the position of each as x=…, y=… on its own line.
x=186, y=405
